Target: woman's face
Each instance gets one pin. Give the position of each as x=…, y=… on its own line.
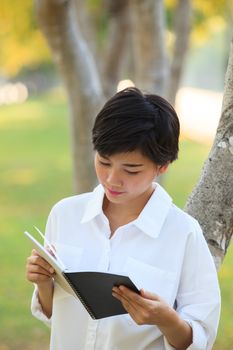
x=126, y=176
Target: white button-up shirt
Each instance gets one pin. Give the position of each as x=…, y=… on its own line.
x=163, y=251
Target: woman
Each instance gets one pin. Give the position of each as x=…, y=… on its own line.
x=129, y=225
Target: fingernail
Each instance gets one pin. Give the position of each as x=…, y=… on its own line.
x=51, y=270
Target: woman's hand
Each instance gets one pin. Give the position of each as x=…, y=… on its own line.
x=38, y=270
x=149, y=308
x=144, y=308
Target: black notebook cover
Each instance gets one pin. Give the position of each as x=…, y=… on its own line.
x=94, y=290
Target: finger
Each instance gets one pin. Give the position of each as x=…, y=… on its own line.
x=36, y=277
x=137, y=297
x=38, y=260
x=148, y=295
x=132, y=297
x=117, y=293
x=129, y=304
x=40, y=270
x=35, y=252
x=139, y=303
x=136, y=312
x=122, y=294
x=126, y=304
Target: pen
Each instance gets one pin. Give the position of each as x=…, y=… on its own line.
x=50, y=247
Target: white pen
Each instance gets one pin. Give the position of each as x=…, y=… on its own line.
x=50, y=247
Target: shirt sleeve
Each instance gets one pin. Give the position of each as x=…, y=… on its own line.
x=37, y=309
x=198, y=298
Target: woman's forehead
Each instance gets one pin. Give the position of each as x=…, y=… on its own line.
x=129, y=158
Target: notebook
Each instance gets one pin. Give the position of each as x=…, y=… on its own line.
x=93, y=289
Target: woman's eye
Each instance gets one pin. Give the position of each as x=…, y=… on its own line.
x=132, y=172
x=103, y=163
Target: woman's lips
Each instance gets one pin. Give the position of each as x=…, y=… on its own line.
x=114, y=193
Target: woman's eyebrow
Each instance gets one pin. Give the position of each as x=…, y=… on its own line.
x=132, y=165
x=124, y=164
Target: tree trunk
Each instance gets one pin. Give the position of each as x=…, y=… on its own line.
x=86, y=24
x=116, y=44
x=148, y=29
x=211, y=201
x=182, y=27
x=58, y=21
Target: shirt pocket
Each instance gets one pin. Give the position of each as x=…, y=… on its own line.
x=70, y=255
x=152, y=279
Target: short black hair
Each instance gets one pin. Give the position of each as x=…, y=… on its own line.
x=131, y=120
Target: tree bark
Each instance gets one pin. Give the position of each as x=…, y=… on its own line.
x=116, y=44
x=58, y=22
x=211, y=201
x=87, y=25
x=182, y=27
x=148, y=29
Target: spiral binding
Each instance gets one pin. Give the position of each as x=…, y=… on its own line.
x=79, y=297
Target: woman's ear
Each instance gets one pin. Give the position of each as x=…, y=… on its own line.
x=163, y=168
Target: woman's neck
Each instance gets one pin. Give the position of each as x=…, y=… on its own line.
x=125, y=212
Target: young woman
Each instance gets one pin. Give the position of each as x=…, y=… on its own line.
x=129, y=225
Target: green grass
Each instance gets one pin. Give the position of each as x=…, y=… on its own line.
x=35, y=172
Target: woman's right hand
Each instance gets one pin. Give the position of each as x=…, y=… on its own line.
x=38, y=270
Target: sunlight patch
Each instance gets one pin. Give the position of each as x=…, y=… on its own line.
x=20, y=177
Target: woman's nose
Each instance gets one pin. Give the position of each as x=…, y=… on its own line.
x=114, y=178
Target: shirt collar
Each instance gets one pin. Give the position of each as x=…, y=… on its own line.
x=94, y=206
x=151, y=218
x=153, y=215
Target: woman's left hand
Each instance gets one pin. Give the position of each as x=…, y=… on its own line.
x=144, y=308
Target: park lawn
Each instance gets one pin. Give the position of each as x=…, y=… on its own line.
x=35, y=172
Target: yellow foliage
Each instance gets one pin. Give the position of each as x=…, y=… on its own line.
x=209, y=8
x=170, y=3
x=21, y=41
x=17, y=54
x=204, y=30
